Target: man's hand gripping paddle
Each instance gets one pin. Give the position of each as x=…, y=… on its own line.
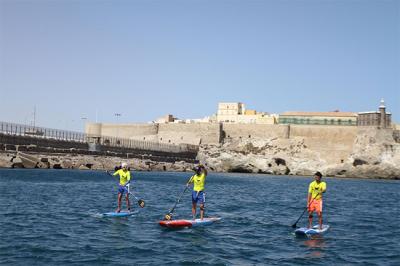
x=306, y=208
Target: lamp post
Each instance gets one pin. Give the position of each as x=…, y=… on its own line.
x=117, y=115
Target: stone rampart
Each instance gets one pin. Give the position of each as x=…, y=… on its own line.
x=333, y=143
x=127, y=131
x=196, y=133
x=233, y=131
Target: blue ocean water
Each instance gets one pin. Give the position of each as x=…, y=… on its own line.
x=51, y=217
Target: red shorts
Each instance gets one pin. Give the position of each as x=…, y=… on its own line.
x=316, y=205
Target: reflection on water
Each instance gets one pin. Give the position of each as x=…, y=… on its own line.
x=317, y=246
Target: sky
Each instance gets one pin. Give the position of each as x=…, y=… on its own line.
x=78, y=61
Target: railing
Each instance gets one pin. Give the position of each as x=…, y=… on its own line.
x=41, y=132
x=64, y=135
x=141, y=144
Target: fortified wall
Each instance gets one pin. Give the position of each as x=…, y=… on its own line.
x=333, y=142
x=125, y=131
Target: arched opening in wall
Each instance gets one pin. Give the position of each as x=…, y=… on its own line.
x=118, y=142
x=144, y=138
x=339, y=121
x=249, y=136
x=325, y=121
x=106, y=142
x=160, y=138
x=342, y=161
x=349, y=121
x=169, y=141
x=332, y=121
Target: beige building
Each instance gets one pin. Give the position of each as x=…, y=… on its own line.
x=237, y=113
x=229, y=112
x=165, y=119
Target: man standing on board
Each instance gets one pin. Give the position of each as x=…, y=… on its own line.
x=198, y=194
x=123, y=187
x=314, y=200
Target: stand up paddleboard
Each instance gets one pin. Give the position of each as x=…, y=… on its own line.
x=188, y=223
x=308, y=232
x=117, y=214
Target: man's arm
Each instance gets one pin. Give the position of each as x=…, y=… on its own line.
x=323, y=187
x=190, y=181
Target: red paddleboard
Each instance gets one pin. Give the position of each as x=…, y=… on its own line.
x=188, y=223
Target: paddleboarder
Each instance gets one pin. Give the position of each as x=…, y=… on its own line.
x=314, y=199
x=198, y=194
x=124, y=180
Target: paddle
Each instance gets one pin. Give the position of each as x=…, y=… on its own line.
x=168, y=216
x=295, y=224
x=140, y=201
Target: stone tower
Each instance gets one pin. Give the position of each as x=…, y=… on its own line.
x=382, y=111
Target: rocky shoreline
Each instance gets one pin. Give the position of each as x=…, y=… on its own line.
x=374, y=154
x=85, y=162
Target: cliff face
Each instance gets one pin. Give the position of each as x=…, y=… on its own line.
x=373, y=153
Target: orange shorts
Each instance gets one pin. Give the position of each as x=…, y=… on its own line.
x=316, y=205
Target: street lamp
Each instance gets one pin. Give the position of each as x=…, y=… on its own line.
x=117, y=115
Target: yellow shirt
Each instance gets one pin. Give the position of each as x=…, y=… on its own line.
x=198, y=181
x=316, y=189
x=124, y=176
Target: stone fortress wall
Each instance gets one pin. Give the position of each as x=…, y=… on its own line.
x=335, y=143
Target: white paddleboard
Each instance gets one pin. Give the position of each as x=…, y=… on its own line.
x=117, y=214
x=305, y=231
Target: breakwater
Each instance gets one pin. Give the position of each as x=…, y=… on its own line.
x=32, y=147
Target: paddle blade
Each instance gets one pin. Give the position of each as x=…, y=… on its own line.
x=141, y=203
x=294, y=225
x=168, y=217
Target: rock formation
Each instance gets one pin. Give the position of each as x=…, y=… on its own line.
x=375, y=154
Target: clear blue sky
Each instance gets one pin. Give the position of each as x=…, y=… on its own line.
x=145, y=59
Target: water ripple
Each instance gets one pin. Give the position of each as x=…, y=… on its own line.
x=54, y=218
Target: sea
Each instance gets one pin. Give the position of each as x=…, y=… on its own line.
x=54, y=217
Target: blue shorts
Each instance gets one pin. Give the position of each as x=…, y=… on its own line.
x=122, y=189
x=198, y=197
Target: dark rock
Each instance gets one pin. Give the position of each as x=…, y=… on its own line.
x=359, y=162
x=280, y=161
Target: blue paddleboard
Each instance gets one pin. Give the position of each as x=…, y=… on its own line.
x=304, y=231
x=118, y=214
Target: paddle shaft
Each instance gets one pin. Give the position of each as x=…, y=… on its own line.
x=308, y=206
x=179, y=199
